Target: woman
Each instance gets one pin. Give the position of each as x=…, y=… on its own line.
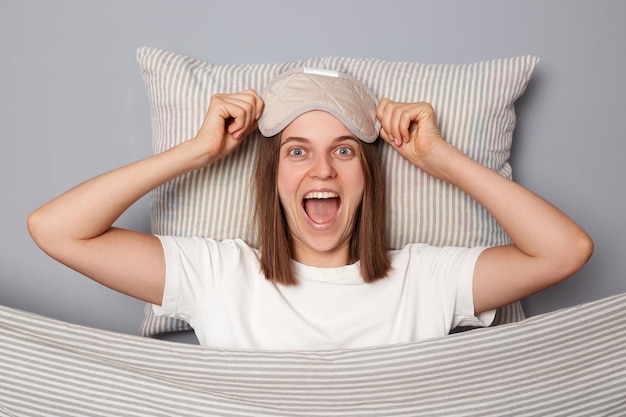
x=318, y=280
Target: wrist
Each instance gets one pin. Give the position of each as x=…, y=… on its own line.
x=193, y=155
x=443, y=162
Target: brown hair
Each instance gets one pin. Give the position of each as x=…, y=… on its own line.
x=369, y=238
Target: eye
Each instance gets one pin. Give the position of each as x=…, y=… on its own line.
x=345, y=151
x=296, y=152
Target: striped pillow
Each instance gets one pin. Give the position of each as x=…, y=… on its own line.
x=474, y=106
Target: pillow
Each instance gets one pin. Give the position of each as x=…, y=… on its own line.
x=474, y=104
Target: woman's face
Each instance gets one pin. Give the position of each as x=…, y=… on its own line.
x=320, y=185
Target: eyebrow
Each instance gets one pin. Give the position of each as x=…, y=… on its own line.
x=299, y=139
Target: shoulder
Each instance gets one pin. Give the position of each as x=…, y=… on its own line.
x=207, y=248
x=424, y=249
x=428, y=256
x=415, y=251
x=209, y=263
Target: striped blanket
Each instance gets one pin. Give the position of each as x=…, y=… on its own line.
x=570, y=362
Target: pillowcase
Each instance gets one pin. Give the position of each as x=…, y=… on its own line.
x=474, y=104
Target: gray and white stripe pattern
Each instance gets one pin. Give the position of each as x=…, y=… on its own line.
x=565, y=363
x=475, y=109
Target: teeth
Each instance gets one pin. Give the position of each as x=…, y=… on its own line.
x=320, y=194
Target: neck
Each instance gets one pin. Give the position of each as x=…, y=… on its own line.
x=336, y=257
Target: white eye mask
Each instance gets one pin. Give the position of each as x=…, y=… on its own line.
x=301, y=90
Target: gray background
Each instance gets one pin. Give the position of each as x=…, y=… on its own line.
x=73, y=104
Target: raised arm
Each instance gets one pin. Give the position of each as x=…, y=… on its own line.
x=548, y=246
x=76, y=227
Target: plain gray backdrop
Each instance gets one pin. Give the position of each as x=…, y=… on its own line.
x=73, y=105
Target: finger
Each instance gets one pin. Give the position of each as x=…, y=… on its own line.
x=401, y=120
x=383, y=134
x=240, y=113
x=253, y=103
x=250, y=100
x=427, y=122
x=259, y=104
x=384, y=113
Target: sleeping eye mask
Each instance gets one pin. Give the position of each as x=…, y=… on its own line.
x=305, y=89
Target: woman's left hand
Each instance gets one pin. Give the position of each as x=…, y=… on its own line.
x=412, y=130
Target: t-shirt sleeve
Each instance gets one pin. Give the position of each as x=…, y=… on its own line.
x=194, y=268
x=450, y=273
x=464, y=309
x=183, y=268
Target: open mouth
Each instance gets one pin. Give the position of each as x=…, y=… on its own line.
x=321, y=206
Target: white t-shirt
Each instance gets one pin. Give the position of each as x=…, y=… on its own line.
x=218, y=288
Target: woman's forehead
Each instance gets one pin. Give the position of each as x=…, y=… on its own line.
x=316, y=124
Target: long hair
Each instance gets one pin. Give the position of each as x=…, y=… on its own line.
x=368, y=243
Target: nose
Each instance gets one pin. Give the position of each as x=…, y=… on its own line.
x=322, y=167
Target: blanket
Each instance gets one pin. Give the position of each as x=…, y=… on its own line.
x=569, y=362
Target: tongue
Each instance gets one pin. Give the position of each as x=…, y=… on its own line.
x=321, y=210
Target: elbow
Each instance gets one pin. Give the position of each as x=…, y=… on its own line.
x=586, y=248
x=34, y=225
x=578, y=254
x=39, y=229
x=567, y=260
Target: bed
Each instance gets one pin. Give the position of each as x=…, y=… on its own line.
x=568, y=362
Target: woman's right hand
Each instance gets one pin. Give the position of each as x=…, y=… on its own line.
x=229, y=119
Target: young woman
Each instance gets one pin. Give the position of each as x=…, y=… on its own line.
x=322, y=277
